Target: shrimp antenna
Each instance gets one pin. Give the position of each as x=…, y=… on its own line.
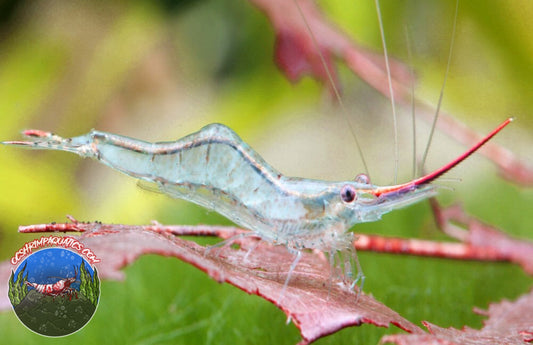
x=413, y=103
x=435, y=174
x=424, y=180
x=391, y=92
x=333, y=86
x=435, y=118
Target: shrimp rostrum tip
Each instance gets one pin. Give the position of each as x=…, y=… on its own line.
x=214, y=168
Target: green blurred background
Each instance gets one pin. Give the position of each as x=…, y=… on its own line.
x=160, y=70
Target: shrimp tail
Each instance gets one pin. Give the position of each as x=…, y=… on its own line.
x=42, y=140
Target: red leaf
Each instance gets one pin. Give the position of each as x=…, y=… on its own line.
x=316, y=307
x=483, y=237
x=508, y=323
x=298, y=53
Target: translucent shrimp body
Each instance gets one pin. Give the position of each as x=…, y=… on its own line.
x=214, y=168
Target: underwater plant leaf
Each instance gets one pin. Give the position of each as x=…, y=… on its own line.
x=297, y=53
x=507, y=323
x=315, y=303
x=483, y=239
x=256, y=267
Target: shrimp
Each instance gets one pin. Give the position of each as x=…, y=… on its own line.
x=60, y=288
x=215, y=169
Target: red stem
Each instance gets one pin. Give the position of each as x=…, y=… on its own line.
x=450, y=250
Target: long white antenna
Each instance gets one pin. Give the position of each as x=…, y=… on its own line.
x=413, y=103
x=333, y=86
x=391, y=92
x=423, y=162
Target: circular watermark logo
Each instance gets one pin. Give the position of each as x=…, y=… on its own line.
x=54, y=291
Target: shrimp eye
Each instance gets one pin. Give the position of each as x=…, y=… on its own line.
x=348, y=194
x=362, y=178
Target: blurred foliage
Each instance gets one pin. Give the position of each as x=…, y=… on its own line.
x=160, y=70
